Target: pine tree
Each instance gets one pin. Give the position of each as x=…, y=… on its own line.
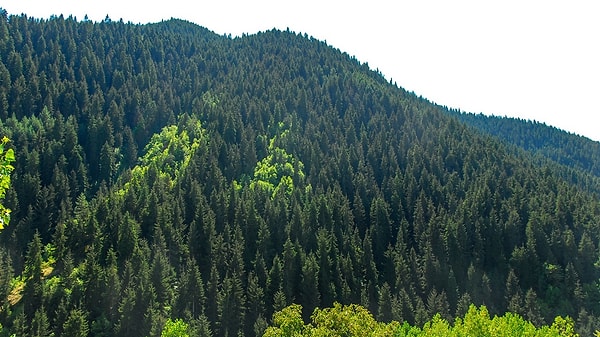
x=231, y=307
x=76, y=324
x=309, y=296
x=291, y=270
x=191, y=296
x=33, y=290
x=381, y=228
x=256, y=303
x=112, y=289
x=384, y=312
x=161, y=271
x=532, y=308
x=513, y=294
x=40, y=327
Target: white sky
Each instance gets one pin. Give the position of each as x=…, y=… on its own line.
x=531, y=59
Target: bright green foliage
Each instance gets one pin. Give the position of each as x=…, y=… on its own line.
x=288, y=323
x=347, y=320
x=341, y=320
x=76, y=324
x=355, y=320
x=310, y=179
x=171, y=149
x=176, y=328
x=169, y=152
x=276, y=172
x=6, y=158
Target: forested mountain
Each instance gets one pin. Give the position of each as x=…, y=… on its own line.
x=567, y=149
x=164, y=172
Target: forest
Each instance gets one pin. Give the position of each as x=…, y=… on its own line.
x=570, y=150
x=166, y=177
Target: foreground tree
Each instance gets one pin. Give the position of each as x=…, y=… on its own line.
x=355, y=320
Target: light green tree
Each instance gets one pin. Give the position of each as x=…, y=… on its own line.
x=7, y=157
x=176, y=328
x=288, y=322
x=275, y=172
x=279, y=170
x=355, y=320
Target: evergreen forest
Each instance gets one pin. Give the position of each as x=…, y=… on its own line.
x=540, y=140
x=166, y=177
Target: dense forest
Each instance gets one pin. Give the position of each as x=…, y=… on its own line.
x=167, y=174
x=545, y=141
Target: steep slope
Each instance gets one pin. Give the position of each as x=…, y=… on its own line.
x=166, y=172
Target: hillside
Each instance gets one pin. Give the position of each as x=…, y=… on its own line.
x=163, y=172
x=540, y=139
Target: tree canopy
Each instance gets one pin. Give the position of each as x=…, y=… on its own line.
x=167, y=174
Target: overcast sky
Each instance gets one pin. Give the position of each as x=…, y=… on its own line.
x=531, y=59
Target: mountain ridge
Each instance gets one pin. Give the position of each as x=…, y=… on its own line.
x=312, y=180
x=559, y=145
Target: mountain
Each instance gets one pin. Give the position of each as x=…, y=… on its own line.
x=166, y=172
x=540, y=139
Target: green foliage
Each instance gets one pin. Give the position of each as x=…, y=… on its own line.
x=176, y=328
x=170, y=150
x=167, y=155
x=288, y=323
x=169, y=172
x=566, y=149
x=354, y=320
x=7, y=157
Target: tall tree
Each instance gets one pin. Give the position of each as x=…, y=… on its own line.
x=33, y=290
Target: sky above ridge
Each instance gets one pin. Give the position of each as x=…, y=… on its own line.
x=536, y=60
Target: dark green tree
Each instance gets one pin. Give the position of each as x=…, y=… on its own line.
x=33, y=290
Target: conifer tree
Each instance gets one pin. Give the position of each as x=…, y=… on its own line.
x=76, y=324
x=7, y=157
x=33, y=290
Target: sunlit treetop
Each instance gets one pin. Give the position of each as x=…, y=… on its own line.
x=7, y=157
